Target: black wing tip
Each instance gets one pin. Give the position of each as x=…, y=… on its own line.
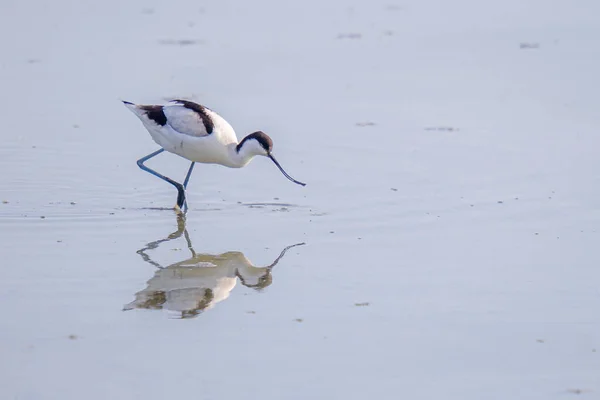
x=128, y=103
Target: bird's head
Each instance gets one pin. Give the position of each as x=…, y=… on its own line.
x=257, y=281
x=260, y=144
x=256, y=144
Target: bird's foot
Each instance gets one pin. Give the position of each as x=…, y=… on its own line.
x=181, y=205
x=180, y=196
x=178, y=210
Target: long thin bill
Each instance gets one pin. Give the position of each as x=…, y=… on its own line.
x=285, y=173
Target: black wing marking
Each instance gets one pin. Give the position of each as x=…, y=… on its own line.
x=155, y=113
x=201, y=111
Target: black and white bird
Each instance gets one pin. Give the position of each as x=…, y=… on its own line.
x=199, y=134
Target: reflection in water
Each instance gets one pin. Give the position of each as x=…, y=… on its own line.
x=196, y=284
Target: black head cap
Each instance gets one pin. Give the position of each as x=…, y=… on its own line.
x=261, y=137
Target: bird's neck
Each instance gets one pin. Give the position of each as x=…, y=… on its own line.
x=240, y=157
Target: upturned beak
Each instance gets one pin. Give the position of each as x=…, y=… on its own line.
x=283, y=171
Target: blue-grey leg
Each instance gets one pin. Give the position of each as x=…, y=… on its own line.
x=178, y=186
x=187, y=177
x=185, y=182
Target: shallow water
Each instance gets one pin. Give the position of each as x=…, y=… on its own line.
x=450, y=223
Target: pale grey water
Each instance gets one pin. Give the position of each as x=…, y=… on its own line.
x=451, y=215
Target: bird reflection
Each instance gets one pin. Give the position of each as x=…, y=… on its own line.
x=196, y=284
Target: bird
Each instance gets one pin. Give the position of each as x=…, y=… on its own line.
x=202, y=280
x=199, y=134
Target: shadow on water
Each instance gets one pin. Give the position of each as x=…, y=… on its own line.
x=196, y=284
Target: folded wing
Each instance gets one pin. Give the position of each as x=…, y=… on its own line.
x=188, y=118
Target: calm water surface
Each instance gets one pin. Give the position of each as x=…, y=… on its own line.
x=445, y=246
